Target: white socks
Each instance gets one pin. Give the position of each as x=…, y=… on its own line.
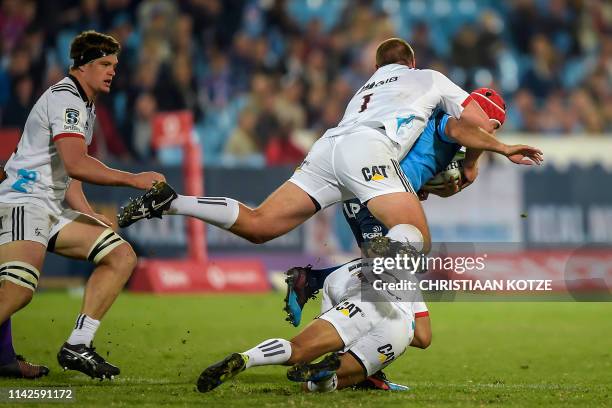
x=323, y=386
x=269, y=352
x=278, y=351
x=84, y=330
x=219, y=211
x=409, y=233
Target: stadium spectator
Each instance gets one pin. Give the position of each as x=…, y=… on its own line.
x=218, y=58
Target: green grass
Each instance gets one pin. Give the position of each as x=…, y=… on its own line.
x=515, y=354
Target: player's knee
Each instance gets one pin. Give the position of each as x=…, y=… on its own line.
x=110, y=249
x=257, y=238
x=122, y=258
x=15, y=299
x=411, y=234
x=259, y=228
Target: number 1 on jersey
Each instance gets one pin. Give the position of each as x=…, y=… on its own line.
x=366, y=100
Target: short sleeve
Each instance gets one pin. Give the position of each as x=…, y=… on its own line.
x=441, y=120
x=452, y=98
x=67, y=115
x=420, y=309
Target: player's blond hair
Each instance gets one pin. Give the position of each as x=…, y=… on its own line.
x=394, y=51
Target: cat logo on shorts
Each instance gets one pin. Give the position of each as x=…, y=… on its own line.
x=374, y=173
x=386, y=353
x=348, y=309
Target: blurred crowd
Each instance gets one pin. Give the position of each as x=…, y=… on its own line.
x=265, y=78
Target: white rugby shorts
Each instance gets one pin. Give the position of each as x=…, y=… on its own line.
x=362, y=164
x=29, y=222
x=375, y=333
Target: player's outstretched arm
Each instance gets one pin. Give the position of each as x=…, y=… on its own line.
x=75, y=198
x=81, y=166
x=472, y=136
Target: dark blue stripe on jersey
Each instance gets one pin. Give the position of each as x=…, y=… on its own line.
x=64, y=88
x=64, y=85
x=81, y=90
x=67, y=90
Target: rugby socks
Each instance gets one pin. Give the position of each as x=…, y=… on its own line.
x=407, y=233
x=269, y=352
x=327, y=385
x=84, y=330
x=7, y=353
x=219, y=211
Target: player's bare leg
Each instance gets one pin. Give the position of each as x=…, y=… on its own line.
x=115, y=260
x=18, y=255
x=351, y=372
x=317, y=339
x=402, y=208
x=17, y=259
x=285, y=209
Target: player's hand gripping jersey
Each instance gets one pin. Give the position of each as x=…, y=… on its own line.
x=35, y=173
x=401, y=99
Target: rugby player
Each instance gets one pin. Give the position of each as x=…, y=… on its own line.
x=43, y=207
x=364, y=336
x=380, y=125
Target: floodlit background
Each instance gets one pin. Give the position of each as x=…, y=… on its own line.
x=263, y=79
x=253, y=83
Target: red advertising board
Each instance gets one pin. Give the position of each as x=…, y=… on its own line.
x=188, y=276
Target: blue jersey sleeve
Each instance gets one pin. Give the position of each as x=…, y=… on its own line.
x=441, y=121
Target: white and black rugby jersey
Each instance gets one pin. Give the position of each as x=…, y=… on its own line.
x=400, y=99
x=35, y=172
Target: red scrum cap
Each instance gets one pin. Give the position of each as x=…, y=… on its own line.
x=492, y=103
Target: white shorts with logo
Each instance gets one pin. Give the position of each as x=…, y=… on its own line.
x=375, y=333
x=362, y=164
x=29, y=222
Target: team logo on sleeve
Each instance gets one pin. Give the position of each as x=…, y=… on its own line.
x=375, y=173
x=71, y=119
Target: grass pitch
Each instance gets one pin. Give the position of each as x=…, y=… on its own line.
x=515, y=354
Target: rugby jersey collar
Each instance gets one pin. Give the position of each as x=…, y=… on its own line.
x=81, y=90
